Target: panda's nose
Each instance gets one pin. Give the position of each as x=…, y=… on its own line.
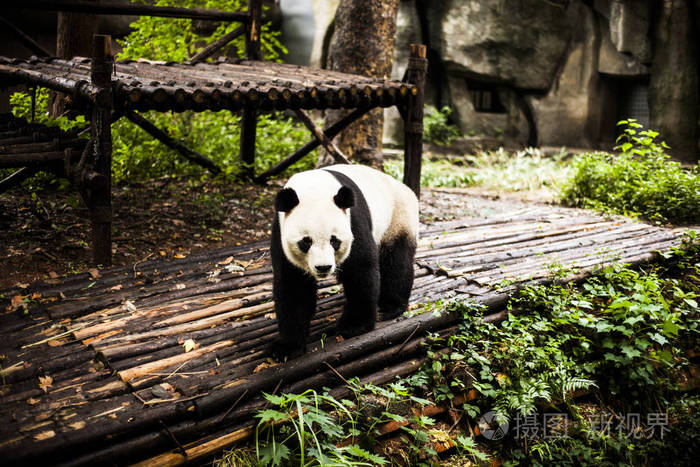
x=323, y=269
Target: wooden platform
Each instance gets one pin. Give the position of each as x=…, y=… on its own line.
x=232, y=85
x=166, y=358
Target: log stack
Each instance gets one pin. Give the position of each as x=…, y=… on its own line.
x=165, y=360
x=32, y=147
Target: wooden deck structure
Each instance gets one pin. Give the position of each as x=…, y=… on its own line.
x=164, y=361
x=105, y=91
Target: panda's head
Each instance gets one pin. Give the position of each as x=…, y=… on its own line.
x=315, y=228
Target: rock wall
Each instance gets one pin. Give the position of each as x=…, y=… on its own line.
x=554, y=72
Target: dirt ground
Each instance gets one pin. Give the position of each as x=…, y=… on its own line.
x=48, y=235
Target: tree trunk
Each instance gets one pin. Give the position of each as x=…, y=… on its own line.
x=673, y=85
x=73, y=38
x=362, y=43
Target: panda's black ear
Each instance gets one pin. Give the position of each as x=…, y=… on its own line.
x=345, y=198
x=286, y=200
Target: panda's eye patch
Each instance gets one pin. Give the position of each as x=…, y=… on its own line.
x=335, y=243
x=304, y=244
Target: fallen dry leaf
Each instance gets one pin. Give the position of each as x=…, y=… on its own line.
x=77, y=425
x=179, y=256
x=44, y=435
x=162, y=253
x=53, y=275
x=17, y=300
x=45, y=382
x=32, y=401
x=189, y=344
x=56, y=342
x=128, y=306
x=35, y=296
x=261, y=367
x=339, y=338
x=226, y=261
x=116, y=287
x=21, y=285
x=269, y=316
x=94, y=273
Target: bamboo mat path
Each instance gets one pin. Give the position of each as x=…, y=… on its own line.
x=167, y=358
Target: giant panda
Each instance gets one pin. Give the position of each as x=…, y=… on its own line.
x=349, y=220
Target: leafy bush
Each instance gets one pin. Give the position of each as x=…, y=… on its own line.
x=21, y=105
x=137, y=156
x=437, y=128
x=624, y=334
x=621, y=331
x=321, y=430
x=641, y=180
x=174, y=39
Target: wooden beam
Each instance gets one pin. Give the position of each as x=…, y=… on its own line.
x=113, y=8
x=215, y=46
x=330, y=132
x=172, y=143
x=413, y=118
x=26, y=41
x=330, y=146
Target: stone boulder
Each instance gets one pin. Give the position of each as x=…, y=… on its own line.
x=518, y=42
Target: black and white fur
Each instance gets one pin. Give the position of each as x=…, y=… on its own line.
x=352, y=220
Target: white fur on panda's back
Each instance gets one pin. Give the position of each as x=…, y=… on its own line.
x=392, y=205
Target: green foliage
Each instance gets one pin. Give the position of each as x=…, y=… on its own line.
x=314, y=428
x=314, y=425
x=173, y=39
x=525, y=170
x=622, y=333
x=216, y=135
x=21, y=104
x=641, y=180
x=437, y=128
x=433, y=173
x=137, y=156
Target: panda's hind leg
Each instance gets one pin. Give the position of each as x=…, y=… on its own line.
x=396, y=270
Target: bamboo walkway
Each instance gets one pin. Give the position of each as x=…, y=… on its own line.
x=164, y=361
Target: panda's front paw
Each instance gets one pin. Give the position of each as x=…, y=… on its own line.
x=386, y=315
x=351, y=330
x=283, y=351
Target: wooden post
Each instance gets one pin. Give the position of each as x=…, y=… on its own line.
x=413, y=118
x=98, y=184
x=252, y=38
x=252, y=52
